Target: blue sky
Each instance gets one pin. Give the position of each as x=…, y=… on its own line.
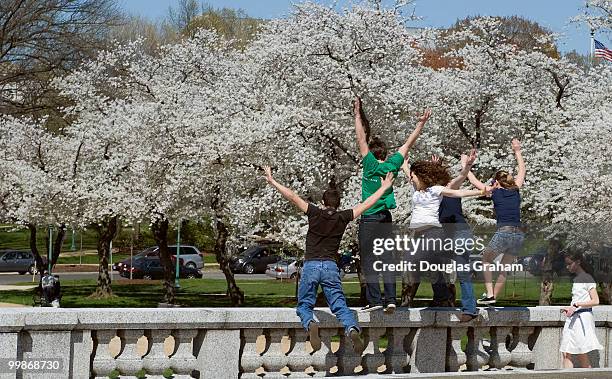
x=553, y=14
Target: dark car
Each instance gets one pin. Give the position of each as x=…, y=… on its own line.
x=17, y=261
x=253, y=260
x=190, y=255
x=151, y=268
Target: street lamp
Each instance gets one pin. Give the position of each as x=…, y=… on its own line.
x=73, y=244
x=178, y=255
x=50, y=250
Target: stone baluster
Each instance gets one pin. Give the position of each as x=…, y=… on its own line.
x=348, y=359
x=183, y=362
x=373, y=357
x=476, y=354
x=274, y=359
x=250, y=359
x=396, y=356
x=522, y=356
x=323, y=359
x=298, y=357
x=500, y=356
x=455, y=356
x=155, y=362
x=129, y=362
x=103, y=363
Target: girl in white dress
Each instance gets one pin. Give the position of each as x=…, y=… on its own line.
x=579, y=331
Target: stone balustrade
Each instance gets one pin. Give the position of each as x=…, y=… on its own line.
x=270, y=343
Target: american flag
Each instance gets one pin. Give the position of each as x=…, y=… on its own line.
x=602, y=52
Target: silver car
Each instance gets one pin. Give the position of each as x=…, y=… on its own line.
x=17, y=261
x=283, y=269
x=190, y=256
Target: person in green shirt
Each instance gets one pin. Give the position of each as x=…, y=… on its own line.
x=376, y=221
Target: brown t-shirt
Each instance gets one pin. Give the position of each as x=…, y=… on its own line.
x=325, y=230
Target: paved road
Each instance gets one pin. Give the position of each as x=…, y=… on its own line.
x=11, y=278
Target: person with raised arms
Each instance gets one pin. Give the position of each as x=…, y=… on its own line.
x=430, y=181
x=509, y=235
x=325, y=229
x=456, y=227
x=376, y=221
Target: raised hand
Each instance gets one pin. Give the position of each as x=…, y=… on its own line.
x=436, y=159
x=516, y=145
x=423, y=117
x=468, y=160
x=268, y=172
x=357, y=105
x=387, y=181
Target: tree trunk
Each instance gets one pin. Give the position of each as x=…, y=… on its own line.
x=57, y=245
x=606, y=293
x=547, y=286
x=39, y=261
x=234, y=292
x=106, y=232
x=160, y=234
x=410, y=286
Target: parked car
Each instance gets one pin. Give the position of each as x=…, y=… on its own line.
x=283, y=269
x=190, y=255
x=151, y=268
x=17, y=261
x=253, y=260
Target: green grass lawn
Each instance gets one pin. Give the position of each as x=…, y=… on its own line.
x=258, y=293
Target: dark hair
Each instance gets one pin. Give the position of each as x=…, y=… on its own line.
x=331, y=198
x=579, y=257
x=505, y=179
x=378, y=148
x=431, y=174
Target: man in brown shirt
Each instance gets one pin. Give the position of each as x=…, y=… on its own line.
x=325, y=229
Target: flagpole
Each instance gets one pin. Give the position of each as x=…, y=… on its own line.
x=592, y=45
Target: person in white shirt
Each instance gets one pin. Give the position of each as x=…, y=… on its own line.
x=579, y=336
x=429, y=180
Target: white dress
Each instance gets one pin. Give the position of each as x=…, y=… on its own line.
x=579, y=330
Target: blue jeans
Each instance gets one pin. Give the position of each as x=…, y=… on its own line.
x=377, y=225
x=326, y=274
x=468, y=300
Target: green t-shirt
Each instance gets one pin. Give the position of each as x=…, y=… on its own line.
x=373, y=171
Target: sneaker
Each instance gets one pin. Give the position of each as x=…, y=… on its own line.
x=370, y=308
x=313, y=333
x=466, y=317
x=390, y=309
x=356, y=339
x=486, y=300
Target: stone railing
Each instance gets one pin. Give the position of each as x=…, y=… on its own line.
x=270, y=343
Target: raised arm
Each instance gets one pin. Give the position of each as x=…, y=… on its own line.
x=385, y=184
x=360, y=133
x=286, y=192
x=406, y=168
x=519, y=179
x=448, y=192
x=415, y=133
x=475, y=182
x=466, y=166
